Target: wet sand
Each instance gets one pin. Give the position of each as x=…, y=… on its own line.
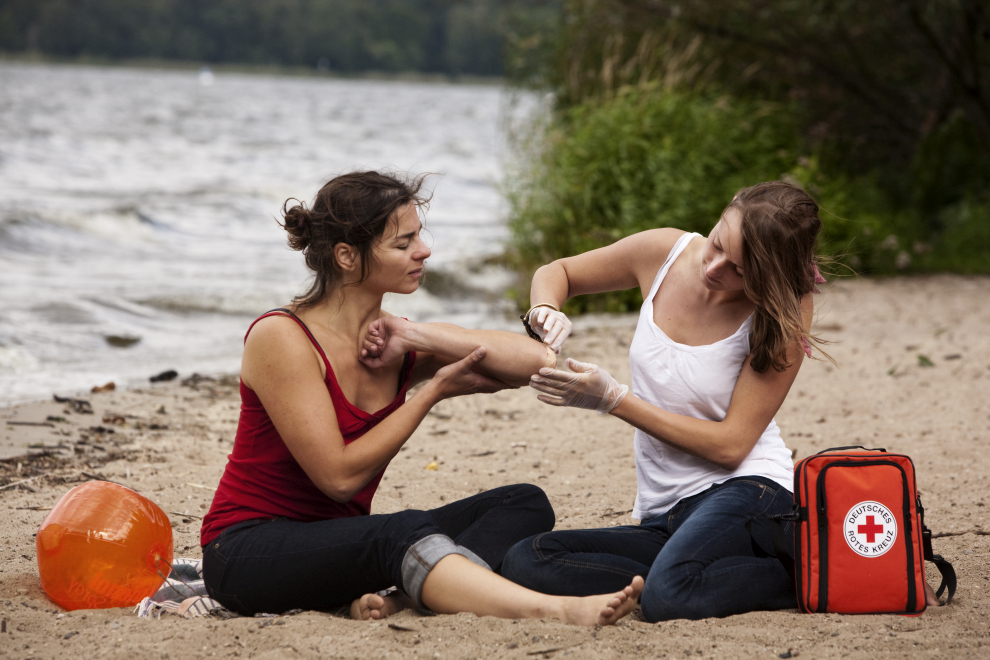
x=170, y=442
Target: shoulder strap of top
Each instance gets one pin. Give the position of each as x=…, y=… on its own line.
x=408, y=361
x=281, y=311
x=675, y=252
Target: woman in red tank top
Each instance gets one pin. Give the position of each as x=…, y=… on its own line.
x=324, y=411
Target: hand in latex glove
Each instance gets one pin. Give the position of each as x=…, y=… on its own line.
x=589, y=387
x=553, y=327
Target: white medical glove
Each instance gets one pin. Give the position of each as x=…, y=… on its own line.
x=552, y=326
x=587, y=386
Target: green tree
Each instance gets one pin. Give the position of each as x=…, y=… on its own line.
x=885, y=106
x=434, y=36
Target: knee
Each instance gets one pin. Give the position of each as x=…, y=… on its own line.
x=407, y=527
x=535, y=503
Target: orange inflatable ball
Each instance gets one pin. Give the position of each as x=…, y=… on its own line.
x=103, y=545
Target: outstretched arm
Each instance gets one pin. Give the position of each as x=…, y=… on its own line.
x=511, y=358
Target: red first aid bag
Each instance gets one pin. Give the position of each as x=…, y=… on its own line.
x=860, y=541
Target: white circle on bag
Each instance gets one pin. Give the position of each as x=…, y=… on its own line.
x=870, y=529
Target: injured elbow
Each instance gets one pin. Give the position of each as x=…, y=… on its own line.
x=550, y=360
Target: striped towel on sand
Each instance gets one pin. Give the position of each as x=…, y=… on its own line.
x=183, y=593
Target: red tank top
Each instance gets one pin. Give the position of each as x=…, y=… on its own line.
x=263, y=480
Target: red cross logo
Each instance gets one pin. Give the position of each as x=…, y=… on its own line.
x=870, y=529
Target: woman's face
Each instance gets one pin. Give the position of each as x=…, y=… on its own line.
x=721, y=261
x=401, y=253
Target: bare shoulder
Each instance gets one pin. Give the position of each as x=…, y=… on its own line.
x=660, y=242
x=650, y=249
x=277, y=329
x=276, y=344
x=643, y=249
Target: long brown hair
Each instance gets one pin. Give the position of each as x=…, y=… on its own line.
x=780, y=227
x=353, y=208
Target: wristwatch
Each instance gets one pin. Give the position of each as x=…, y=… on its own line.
x=525, y=320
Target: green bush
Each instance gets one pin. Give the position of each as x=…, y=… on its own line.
x=653, y=158
x=964, y=246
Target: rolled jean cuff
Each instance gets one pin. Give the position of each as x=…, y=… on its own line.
x=423, y=555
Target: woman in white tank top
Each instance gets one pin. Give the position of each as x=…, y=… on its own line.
x=721, y=335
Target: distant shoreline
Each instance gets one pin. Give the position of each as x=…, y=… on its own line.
x=251, y=69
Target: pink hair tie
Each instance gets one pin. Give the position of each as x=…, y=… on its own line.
x=818, y=277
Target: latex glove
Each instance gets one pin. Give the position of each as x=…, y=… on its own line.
x=552, y=326
x=586, y=386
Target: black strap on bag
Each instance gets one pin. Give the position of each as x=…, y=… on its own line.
x=782, y=551
x=944, y=567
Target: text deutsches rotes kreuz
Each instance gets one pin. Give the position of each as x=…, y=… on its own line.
x=870, y=529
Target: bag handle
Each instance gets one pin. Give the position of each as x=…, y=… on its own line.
x=944, y=567
x=825, y=451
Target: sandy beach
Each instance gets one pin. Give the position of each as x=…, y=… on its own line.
x=913, y=369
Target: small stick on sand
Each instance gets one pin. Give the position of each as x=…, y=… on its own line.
x=22, y=481
x=185, y=515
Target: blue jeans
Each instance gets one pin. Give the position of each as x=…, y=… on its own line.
x=275, y=565
x=699, y=559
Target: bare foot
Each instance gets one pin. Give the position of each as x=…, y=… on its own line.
x=930, y=599
x=603, y=610
x=621, y=603
x=370, y=607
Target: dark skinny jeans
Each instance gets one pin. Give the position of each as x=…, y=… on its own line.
x=275, y=565
x=698, y=559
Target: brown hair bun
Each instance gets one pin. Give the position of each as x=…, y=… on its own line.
x=298, y=222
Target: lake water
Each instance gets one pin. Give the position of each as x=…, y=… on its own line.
x=142, y=204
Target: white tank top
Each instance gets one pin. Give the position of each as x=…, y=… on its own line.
x=696, y=381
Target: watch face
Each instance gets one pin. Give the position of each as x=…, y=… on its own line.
x=529, y=329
